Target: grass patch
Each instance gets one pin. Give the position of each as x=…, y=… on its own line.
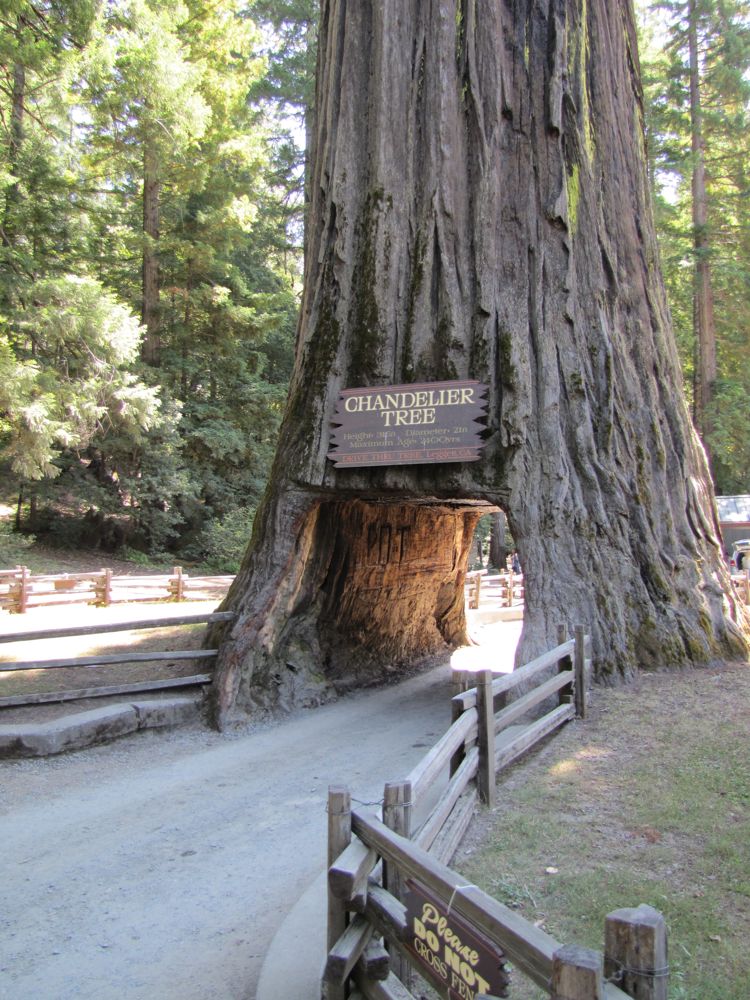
x=648, y=801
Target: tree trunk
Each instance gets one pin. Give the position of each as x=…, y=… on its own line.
x=16, y=112
x=480, y=209
x=18, y=520
x=703, y=305
x=311, y=39
x=498, y=551
x=150, y=317
x=13, y=191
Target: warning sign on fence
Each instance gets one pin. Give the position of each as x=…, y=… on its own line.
x=454, y=956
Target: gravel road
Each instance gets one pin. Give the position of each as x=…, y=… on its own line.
x=161, y=866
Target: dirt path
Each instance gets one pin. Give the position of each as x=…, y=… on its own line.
x=161, y=866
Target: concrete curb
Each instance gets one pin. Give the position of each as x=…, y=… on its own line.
x=97, y=725
x=293, y=965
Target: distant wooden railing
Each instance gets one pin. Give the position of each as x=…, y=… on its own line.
x=505, y=590
x=21, y=590
x=374, y=864
x=98, y=660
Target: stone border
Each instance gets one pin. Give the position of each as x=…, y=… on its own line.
x=97, y=725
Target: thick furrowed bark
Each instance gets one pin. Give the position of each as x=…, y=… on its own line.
x=479, y=209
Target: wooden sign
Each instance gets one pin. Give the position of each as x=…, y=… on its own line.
x=409, y=424
x=455, y=957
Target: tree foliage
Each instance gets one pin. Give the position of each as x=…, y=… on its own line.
x=140, y=181
x=722, y=68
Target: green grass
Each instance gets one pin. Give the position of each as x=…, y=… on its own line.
x=646, y=802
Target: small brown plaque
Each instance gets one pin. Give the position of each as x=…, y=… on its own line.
x=418, y=424
x=456, y=957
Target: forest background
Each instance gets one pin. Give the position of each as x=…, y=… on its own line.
x=152, y=239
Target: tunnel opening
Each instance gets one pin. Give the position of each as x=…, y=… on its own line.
x=381, y=587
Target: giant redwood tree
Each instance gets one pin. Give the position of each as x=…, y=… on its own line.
x=480, y=210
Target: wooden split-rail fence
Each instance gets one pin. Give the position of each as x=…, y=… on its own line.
x=394, y=905
x=98, y=660
x=21, y=590
x=503, y=590
x=506, y=590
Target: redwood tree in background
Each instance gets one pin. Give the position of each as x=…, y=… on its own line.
x=480, y=209
x=703, y=307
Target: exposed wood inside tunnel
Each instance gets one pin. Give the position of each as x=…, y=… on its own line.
x=394, y=583
x=365, y=590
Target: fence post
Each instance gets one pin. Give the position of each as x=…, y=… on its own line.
x=339, y=838
x=577, y=974
x=103, y=589
x=13, y=593
x=563, y=664
x=635, y=952
x=579, y=665
x=458, y=756
x=397, y=810
x=510, y=589
x=21, y=591
x=486, y=738
x=177, y=585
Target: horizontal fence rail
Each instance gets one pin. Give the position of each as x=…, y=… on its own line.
x=504, y=590
x=109, y=658
x=21, y=590
x=104, y=659
x=132, y=626
x=378, y=866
